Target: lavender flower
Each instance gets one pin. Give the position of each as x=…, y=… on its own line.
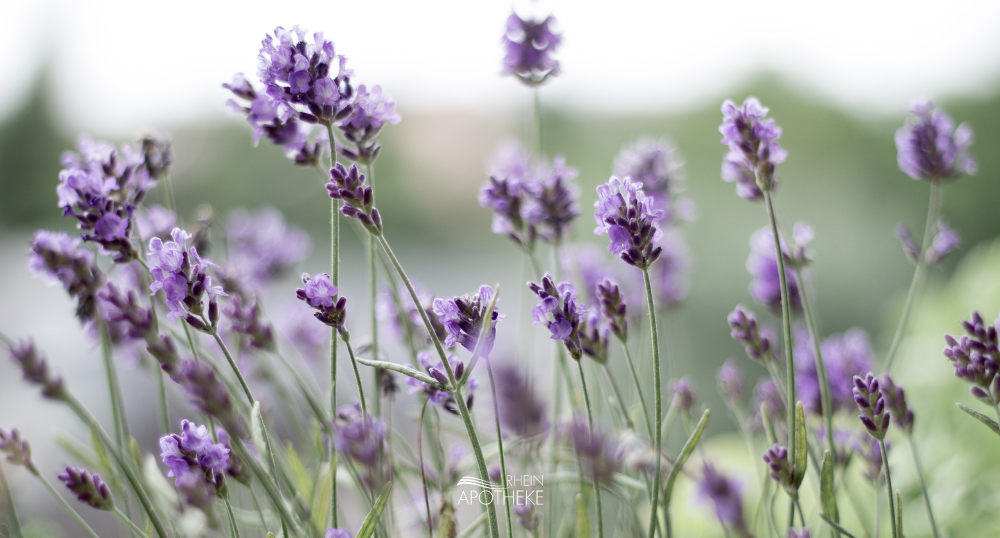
x=208, y=394
x=182, y=275
x=657, y=165
x=337, y=533
x=350, y=186
x=596, y=452
x=551, y=204
x=362, y=438
x=975, y=358
x=766, y=393
x=436, y=370
x=683, y=393
x=753, y=148
x=129, y=324
x=931, y=148
x=526, y=516
x=245, y=322
x=592, y=266
x=505, y=197
x=36, y=370
x=369, y=113
x=529, y=46
x=197, y=464
x=155, y=221
x=61, y=258
x=868, y=396
x=320, y=293
x=522, y=412
x=945, y=241
x=234, y=467
x=726, y=497
x=779, y=467
x=731, y=384
x=559, y=310
x=669, y=276
x=463, y=319
x=594, y=336
x=262, y=246
x=895, y=401
x=746, y=331
x=765, y=287
x=843, y=355
x=613, y=308
x=89, y=488
x=405, y=319
x=18, y=450
x=623, y=211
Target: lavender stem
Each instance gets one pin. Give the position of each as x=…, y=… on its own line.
x=923, y=484
x=888, y=482
x=373, y=277
x=334, y=279
x=234, y=529
x=423, y=475
x=11, y=509
x=824, y=382
x=933, y=209
x=590, y=421
x=496, y=420
x=345, y=336
x=131, y=525
x=658, y=404
x=114, y=389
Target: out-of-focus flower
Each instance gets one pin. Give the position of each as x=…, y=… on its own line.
x=155, y=221
x=262, y=246
x=362, y=438
x=551, y=204
x=657, y=165
x=731, y=384
x=89, y=489
x=437, y=371
x=669, y=277
x=945, y=241
x=522, y=412
x=975, y=356
x=18, y=450
x=844, y=355
x=35, y=369
x=683, y=393
x=746, y=331
x=62, y=259
x=369, y=113
x=598, y=454
x=762, y=264
x=931, y=148
x=559, y=310
x=529, y=46
x=726, y=497
x=895, y=401
x=182, y=275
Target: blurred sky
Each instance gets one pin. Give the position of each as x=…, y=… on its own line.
x=121, y=65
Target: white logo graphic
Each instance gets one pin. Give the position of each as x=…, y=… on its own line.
x=484, y=492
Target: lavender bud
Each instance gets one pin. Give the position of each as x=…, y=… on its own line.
x=89, y=488
x=613, y=308
x=683, y=394
x=522, y=412
x=320, y=294
x=598, y=454
x=779, y=467
x=631, y=222
x=350, y=186
x=18, y=450
x=974, y=357
x=868, y=396
x=731, y=384
x=560, y=311
x=726, y=496
x=62, y=259
x=945, y=241
x=745, y=330
x=931, y=148
x=36, y=370
x=209, y=394
x=762, y=265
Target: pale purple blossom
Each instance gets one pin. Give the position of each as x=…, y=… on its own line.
x=262, y=246
x=657, y=165
x=945, y=241
x=930, y=147
x=762, y=265
x=463, y=319
x=529, y=46
x=753, y=147
x=726, y=496
x=437, y=371
x=320, y=293
x=844, y=355
x=182, y=275
x=628, y=217
x=559, y=310
x=370, y=112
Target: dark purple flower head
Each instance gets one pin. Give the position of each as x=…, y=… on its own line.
x=868, y=395
x=208, y=393
x=550, y=204
x=844, y=355
x=613, y=307
x=779, y=467
x=362, y=438
x=522, y=412
x=463, y=319
x=657, y=165
x=683, y=393
x=529, y=46
x=320, y=293
x=930, y=147
x=598, y=454
x=945, y=241
x=726, y=496
x=437, y=370
x=895, y=401
x=628, y=217
x=36, y=369
x=370, y=112
x=975, y=357
x=753, y=147
x=194, y=459
x=262, y=246
x=18, y=450
x=62, y=259
x=762, y=264
x=245, y=323
x=89, y=488
x=351, y=187
x=182, y=275
x=505, y=196
x=731, y=384
x=669, y=277
x=559, y=310
x=746, y=331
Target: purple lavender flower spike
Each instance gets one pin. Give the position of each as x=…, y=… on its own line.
x=598, y=453
x=931, y=148
x=559, y=310
x=683, y=393
x=363, y=439
x=245, y=322
x=613, y=308
x=868, y=395
x=779, y=467
x=895, y=401
x=844, y=355
x=262, y=246
x=154, y=221
x=551, y=204
x=765, y=287
x=522, y=412
x=337, y=533
x=657, y=165
x=753, y=148
x=62, y=259
x=182, y=275
x=463, y=319
x=975, y=357
x=627, y=216
x=526, y=516
x=351, y=187
x=197, y=464
x=234, y=466
x=36, y=370
x=731, y=384
x=18, y=450
x=945, y=241
x=506, y=196
x=594, y=336
x=90, y=489
x=528, y=47
x=370, y=112
x=436, y=370
x=746, y=331
x=320, y=293
x=726, y=496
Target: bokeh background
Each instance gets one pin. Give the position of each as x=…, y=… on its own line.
x=838, y=78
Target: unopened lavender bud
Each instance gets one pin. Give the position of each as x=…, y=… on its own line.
x=613, y=308
x=36, y=370
x=731, y=384
x=868, y=396
x=459, y=370
x=213, y=311
x=683, y=393
x=89, y=488
x=18, y=450
x=438, y=375
x=196, y=323
x=779, y=467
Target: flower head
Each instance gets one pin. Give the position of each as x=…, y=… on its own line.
x=62, y=259
x=613, y=308
x=522, y=412
x=753, y=147
x=182, y=275
x=262, y=246
x=931, y=148
x=628, y=217
x=598, y=453
x=362, y=438
x=207, y=393
x=437, y=370
x=746, y=331
x=895, y=401
x=18, y=450
x=320, y=294
x=36, y=369
x=730, y=381
x=868, y=396
x=945, y=241
x=656, y=164
x=463, y=319
x=762, y=264
x=197, y=464
x=89, y=488
x=726, y=496
x=551, y=202
x=843, y=355
x=683, y=393
x=351, y=187
x=975, y=357
x=369, y=113
x=529, y=46
x=779, y=467
x=559, y=310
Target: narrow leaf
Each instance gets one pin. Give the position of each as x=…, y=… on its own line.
x=257, y=436
x=801, y=444
x=765, y=417
x=826, y=491
x=368, y=527
x=684, y=455
x=837, y=526
x=403, y=369
x=989, y=422
x=582, y=519
x=447, y=524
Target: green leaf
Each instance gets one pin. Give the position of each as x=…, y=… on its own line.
x=447, y=524
x=405, y=370
x=765, y=417
x=989, y=422
x=257, y=436
x=368, y=527
x=270, y=534
x=801, y=442
x=582, y=519
x=684, y=455
x=826, y=492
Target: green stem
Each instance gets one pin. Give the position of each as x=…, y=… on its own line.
x=15, y=523
x=590, y=422
x=233, y=527
x=334, y=278
x=345, y=336
x=463, y=410
x=638, y=387
x=933, y=209
x=373, y=277
x=537, y=113
x=272, y=492
x=923, y=484
x=423, y=474
x=786, y=322
x=888, y=483
x=503, y=460
x=135, y=528
x=824, y=383
x=66, y=506
x=162, y=390
x=657, y=402
x=114, y=388
x=232, y=362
